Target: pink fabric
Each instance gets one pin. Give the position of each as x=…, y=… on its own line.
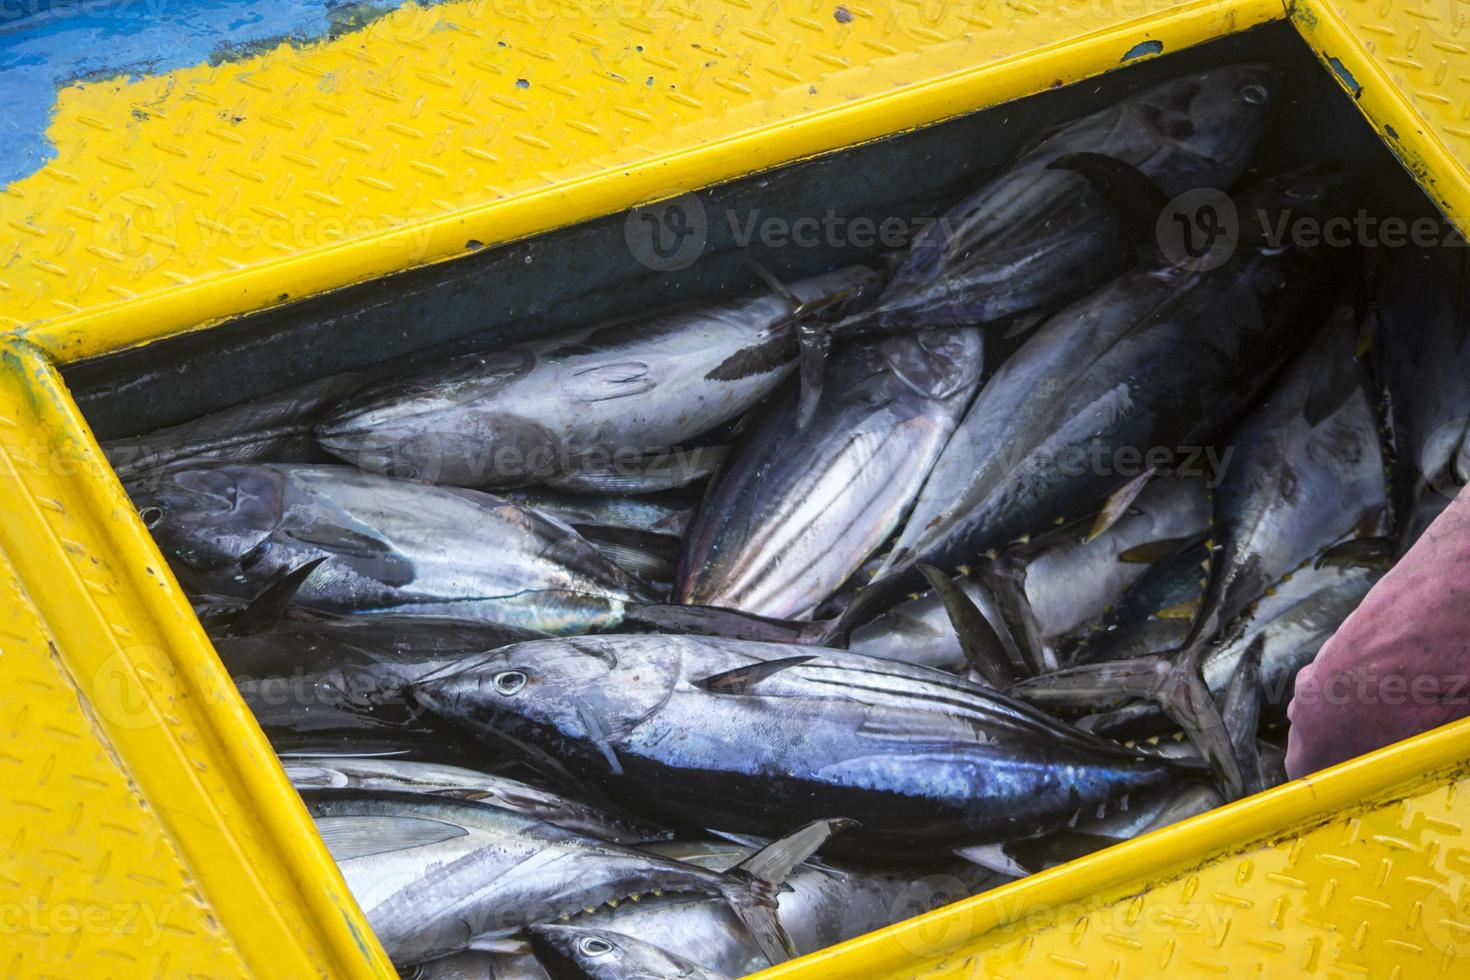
x=1400, y=664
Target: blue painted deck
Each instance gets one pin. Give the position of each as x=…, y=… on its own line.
x=47, y=44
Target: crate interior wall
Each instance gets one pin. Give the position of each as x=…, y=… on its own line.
x=174, y=845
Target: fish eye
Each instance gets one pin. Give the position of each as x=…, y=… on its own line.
x=152, y=516
x=1254, y=94
x=594, y=946
x=509, y=682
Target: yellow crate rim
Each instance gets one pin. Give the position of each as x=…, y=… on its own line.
x=109, y=246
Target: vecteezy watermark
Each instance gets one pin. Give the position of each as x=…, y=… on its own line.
x=1100, y=458
x=671, y=234
x=667, y=235
x=1202, y=229
x=1444, y=917
x=830, y=230
x=1445, y=459
x=1199, y=230
x=141, y=920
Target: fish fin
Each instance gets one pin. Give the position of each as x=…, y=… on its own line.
x=504, y=945
x=814, y=346
x=1333, y=383
x=1186, y=699
x=1187, y=610
x=1242, y=713
x=1152, y=551
x=651, y=557
x=1096, y=687
x=351, y=837
x=1117, y=503
x=994, y=858
x=363, y=553
x=752, y=885
x=718, y=621
x=743, y=680
x=1132, y=197
x=1022, y=325
x=744, y=840
x=271, y=602
x=775, y=862
x=1006, y=580
x=982, y=646
x=642, y=474
x=772, y=281
x=1370, y=552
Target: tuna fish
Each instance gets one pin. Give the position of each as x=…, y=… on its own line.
x=577, y=953
x=532, y=412
x=338, y=682
x=743, y=736
x=1033, y=238
x=436, y=875
x=797, y=509
x=1307, y=469
x=1160, y=360
x=392, y=546
x=1421, y=350
x=371, y=774
x=1069, y=584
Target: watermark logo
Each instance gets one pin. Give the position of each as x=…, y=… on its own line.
x=138, y=226
x=1445, y=918
x=1446, y=18
x=667, y=235
x=1198, y=230
x=1445, y=459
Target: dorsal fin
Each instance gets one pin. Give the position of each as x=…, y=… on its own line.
x=980, y=642
x=1130, y=195
x=743, y=680
x=349, y=837
x=270, y=604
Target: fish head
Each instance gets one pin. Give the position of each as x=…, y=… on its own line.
x=1206, y=117
x=574, y=953
x=210, y=517
x=570, y=699
x=1273, y=212
x=411, y=427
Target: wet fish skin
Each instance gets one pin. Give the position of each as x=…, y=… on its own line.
x=667, y=514
x=392, y=546
x=276, y=427
x=1069, y=584
x=1296, y=617
x=340, y=681
x=1420, y=323
x=528, y=412
x=824, y=903
x=1160, y=357
x=797, y=509
x=432, y=874
x=478, y=965
x=369, y=774
x=1032, y=238
x=924, y=761
x=1295, y=484
x=1149, y=812
x=579, y=953
x=1155, y=614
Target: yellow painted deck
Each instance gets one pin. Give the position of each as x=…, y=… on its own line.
x=149, y=831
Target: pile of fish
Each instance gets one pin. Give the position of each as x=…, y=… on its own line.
x=681, y=645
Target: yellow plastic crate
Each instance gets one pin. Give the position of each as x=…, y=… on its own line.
x=149, y=831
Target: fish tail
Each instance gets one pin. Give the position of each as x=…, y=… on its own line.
x=751, y=886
